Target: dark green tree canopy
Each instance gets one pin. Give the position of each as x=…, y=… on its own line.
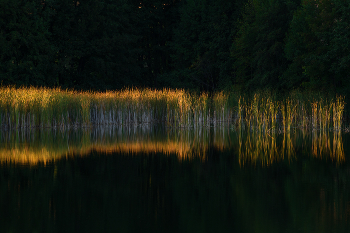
x=26, y=54
x=258, y=47
x=245, y=45
x=318, y=46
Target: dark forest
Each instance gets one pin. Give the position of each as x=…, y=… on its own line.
x=245, y=45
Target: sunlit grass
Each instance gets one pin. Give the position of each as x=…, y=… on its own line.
x=23, y=108
x=261, y=118
x=43, y=107
x=264, y=112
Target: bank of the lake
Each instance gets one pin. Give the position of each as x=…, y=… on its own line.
x=23, y=108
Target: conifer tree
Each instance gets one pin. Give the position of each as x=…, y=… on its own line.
x=26, y=54
x=201, y=44
x=258, y=48
x=318, y=45
x=96, y=43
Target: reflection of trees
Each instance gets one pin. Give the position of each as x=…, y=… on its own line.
x=154, y=192
x=322, y=192
x=114, y=194
x=297, y=197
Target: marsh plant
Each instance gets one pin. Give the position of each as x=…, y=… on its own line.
x=265, y=113
x=23, y=108
x=43, y=107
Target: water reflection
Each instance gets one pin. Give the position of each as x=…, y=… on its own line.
x=255, y=147
x=160, y=180
x=34, y=146
x=261, y=147
x=328, y=145
x=266, y=147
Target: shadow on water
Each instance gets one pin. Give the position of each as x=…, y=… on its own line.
x=161, y=180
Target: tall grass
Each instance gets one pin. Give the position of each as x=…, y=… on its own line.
x=43, y=107
x=265, y=112
x=55, y=108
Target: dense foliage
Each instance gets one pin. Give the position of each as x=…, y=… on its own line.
x=194, y=44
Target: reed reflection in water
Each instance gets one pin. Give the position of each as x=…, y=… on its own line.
x=42, y=146
x=328, y=145
x=255, y=147
x=161, y=180
x=266, y=147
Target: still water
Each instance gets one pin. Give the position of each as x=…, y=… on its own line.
x=174, y=180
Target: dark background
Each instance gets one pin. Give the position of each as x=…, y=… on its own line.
x=158, y=193
x=198, y=45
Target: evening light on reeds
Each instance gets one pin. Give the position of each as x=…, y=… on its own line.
x=23, y=108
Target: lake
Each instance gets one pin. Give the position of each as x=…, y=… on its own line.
x=156, y=179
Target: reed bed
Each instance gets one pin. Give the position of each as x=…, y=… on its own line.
x=264, y=112
x=42, y=107
x=23, y=108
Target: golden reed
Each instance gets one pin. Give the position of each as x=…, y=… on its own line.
x=22, y=108
x=264, y=112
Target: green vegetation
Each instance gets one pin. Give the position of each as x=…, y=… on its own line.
x=263, y=111
x=200, y=45
x=225, y=50
x=42, y=107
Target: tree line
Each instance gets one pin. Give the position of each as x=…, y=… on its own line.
x=245, y=45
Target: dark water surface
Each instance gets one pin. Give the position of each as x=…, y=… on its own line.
x=160, y=180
